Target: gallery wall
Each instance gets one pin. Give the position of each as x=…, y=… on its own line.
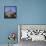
x=28, y=12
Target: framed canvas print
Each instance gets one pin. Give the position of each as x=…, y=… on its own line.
x=32, y=32
x=10, y=11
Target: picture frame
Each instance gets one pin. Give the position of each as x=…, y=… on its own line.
x=10, y=11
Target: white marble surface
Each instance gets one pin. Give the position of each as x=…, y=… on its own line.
x=7, y=45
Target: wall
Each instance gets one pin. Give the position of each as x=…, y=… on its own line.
x=28, y=12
